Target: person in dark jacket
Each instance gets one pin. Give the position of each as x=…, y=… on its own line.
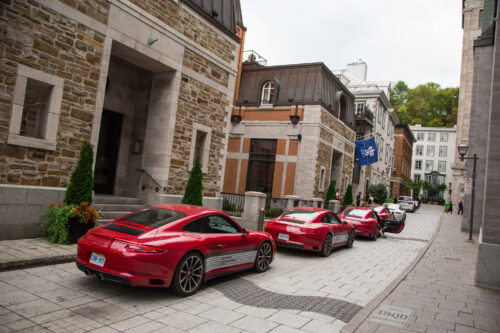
x=450, y=210
x=358, y=199
x=460, y=208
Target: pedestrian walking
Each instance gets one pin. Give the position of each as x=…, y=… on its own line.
x=395, y=199
x=370, y=198
x=450, y=209
x=358, y=199
x=338, y=196
x=460, y=208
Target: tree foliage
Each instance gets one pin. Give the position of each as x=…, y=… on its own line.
x=428, y=104
x=379, y=193
x=348, y=196
x=194, y=187
x=330, y=194
x=81, y=182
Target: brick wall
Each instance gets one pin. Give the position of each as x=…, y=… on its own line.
x=45, y=40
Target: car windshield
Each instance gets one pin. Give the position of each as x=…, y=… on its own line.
x=355, y=213
x=154, y=217
x=393, y=206
x=299, y=216
x=404, y=199
x=378, y=209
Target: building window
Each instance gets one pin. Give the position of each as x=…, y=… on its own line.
x=360, y=109
x=430, y=150
x=420, y=136
x=428, y=178
x=417, y=177
x=418, y=164
x=35, y=109
x=443, y=151
x=419, y=151
x=429, y=165
x=383, y=119
x=431, y=137
x=268, y=93
x=261, y=165
x=443, y=137
x=200, y=146
x=322, y=179
x=442, y=166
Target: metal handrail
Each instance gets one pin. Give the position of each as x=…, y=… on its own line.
x=158, y=186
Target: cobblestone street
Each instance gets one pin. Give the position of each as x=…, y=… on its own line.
x=300, y=292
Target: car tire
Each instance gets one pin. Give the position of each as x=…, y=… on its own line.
x=375, y=233
x=350, y=239
x=327, y=246
x=263, y=257
x=188, y=276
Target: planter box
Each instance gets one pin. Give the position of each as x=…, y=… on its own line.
x=77, y=229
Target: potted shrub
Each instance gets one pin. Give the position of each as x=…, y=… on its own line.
x=194, y=187
x=67, y=221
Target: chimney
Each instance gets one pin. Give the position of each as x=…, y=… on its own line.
x=359, y=69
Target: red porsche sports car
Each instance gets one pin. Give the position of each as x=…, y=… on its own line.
x=172, y=245
x=382, y=211
x=366, y=222
x=308, y=228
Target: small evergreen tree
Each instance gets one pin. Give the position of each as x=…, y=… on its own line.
x=81, y=182
x=330, y=194
x=348, y=196
x=379, y=192
x=194, y=187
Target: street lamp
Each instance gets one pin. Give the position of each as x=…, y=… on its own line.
x=462, y=150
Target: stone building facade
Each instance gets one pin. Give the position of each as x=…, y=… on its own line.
x=292, y=132
x=150, y=84
x=403, y=150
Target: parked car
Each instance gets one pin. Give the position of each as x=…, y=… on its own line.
x=382, y=211
x=177, y=246
x=308, y=228
x=407, y=203
x=367, y=223
x=398, y=213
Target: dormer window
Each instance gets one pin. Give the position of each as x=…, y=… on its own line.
x=268, y=93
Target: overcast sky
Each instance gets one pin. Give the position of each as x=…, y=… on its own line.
x=416, y=41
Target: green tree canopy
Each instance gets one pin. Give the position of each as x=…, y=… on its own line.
x=428, y=104
x=81, y=182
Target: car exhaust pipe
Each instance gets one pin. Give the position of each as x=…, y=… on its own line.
x=100, y=277
x=87, y=272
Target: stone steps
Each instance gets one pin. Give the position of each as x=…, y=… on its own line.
x=112, y=207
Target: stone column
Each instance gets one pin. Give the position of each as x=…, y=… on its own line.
x=334, y=206
x=318, y=202
x=254, y=201
x=291, y=199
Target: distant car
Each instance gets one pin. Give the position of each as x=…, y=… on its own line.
x=172, y=245
x=407, y=203
x=398, y=213
x=382, y=211
x=367, y=223
x=308, y=228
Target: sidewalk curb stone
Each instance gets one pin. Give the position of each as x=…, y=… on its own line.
x=362, y=315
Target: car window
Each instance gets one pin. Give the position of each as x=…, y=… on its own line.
x=221, y=225
x=379, y=209
x=355, y=213
x=326, y=219
x=154, y=217
x=198, y=226
x=334, y=218
x=299, y=216
x=373, y=215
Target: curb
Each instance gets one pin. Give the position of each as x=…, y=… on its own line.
x=44, y=261
x=362, y=315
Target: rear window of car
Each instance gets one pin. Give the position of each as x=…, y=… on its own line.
x=154, y=217
x=378, y=209
x=404, y=199
x=393, y=206
x=299, y=216
x=355, y=213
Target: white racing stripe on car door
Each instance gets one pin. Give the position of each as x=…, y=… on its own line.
x=227, y=260
x=339, y=238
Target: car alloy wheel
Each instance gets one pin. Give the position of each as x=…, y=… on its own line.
x=350, y=239
x=327, y=246
x=264, y=257
x=375, y=233
x=189, y=275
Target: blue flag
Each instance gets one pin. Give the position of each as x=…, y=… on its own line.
x=367, y=151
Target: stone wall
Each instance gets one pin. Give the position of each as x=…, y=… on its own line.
x=97, y=9
x=337, y=126
x=203, y=66
x=347, y=169
x=45, y=40
x=189, y=25
x=325, y=135
x=324, y=160
x=200, y=104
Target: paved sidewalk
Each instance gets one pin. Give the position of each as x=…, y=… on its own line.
x=438, y=294
x=22, y=253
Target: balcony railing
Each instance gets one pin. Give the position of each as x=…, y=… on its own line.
x=366, y=113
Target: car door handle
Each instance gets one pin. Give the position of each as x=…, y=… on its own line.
x=221, y=246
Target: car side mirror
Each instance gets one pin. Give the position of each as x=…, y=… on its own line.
x=244, y=231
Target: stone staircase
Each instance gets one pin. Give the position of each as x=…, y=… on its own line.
x=112, y=206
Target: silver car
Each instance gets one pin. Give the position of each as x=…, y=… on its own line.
x=406, y=203
x=397, y=211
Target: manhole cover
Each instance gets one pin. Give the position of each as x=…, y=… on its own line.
x=392, y=316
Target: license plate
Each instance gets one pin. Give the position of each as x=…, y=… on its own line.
x=97, y=259
x=284, y=237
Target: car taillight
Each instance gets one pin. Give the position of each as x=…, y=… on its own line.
x=143, y=249
x=309, y=231
x=269, y=223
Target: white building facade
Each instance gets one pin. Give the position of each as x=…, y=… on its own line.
x=434, y=152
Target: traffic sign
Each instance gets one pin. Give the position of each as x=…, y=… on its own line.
x=468, y=181
x=468, y=188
